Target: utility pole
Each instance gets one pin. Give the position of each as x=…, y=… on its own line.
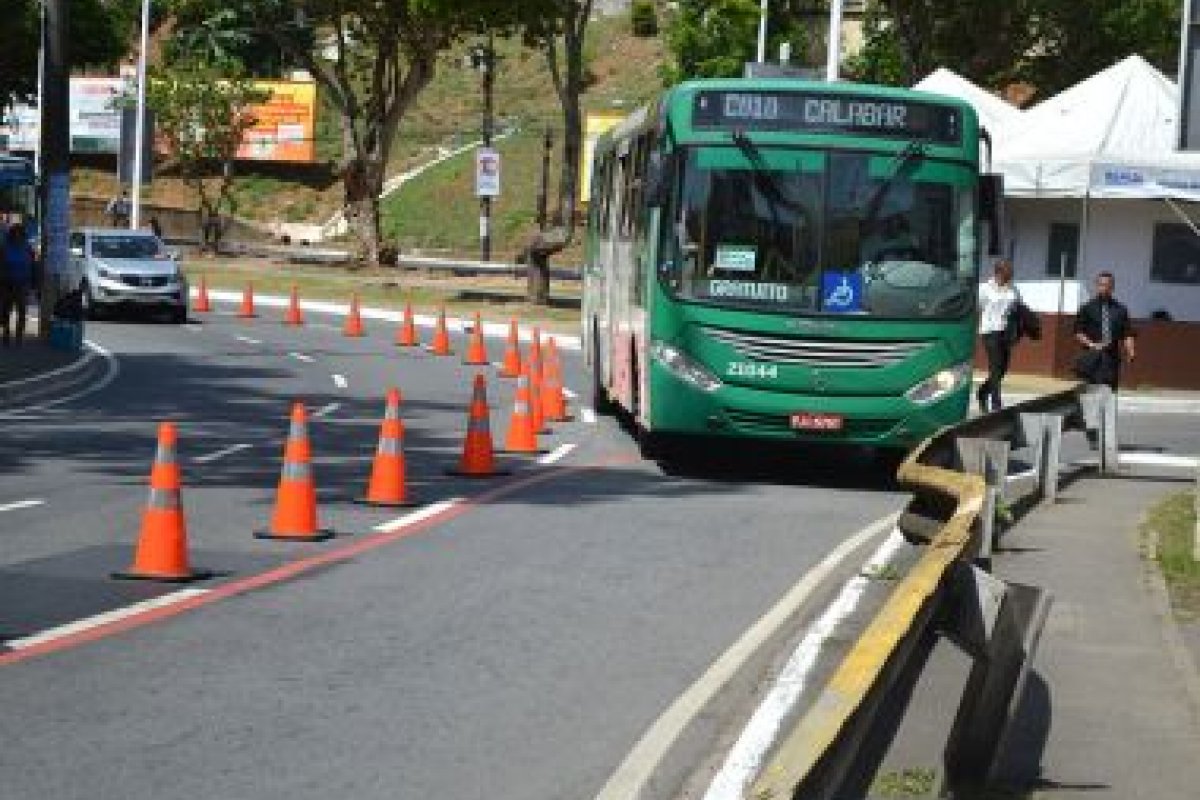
x=543, y=198
x=833, y=65
x=55, y=150
x=762, y=31
x=139, y=136
x=483, y=58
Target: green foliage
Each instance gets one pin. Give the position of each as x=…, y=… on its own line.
x=1048, y=43
x=643, y=18
x=99, y=33
x=715, y=38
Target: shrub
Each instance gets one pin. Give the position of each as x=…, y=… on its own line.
x=643, y=18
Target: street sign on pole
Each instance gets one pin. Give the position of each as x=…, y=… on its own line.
x=487, y=172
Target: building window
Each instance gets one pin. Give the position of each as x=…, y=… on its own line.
x=1176, y=257
x=1063, y=245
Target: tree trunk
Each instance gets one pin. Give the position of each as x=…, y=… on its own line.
x=537, y=288
x=364, y=184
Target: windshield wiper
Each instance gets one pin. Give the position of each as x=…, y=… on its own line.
x=763, y=173
x=914, y=149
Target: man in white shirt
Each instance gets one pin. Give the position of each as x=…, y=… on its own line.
x=996, y=300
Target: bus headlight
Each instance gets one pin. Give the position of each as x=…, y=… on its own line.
x=940, y=384
x=684, y=368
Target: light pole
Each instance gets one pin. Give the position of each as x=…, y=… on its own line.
x=832, y=66
x=762, y=31
x=55, y=152
x=139, y=134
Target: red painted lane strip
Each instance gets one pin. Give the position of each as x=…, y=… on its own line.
x=289, y=570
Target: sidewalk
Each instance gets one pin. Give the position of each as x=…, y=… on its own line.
x=1020, y=387
x=1112, y=707
x=35, y=372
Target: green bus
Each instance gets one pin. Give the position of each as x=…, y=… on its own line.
x=785, y=259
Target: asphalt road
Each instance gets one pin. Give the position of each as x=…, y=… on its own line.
x=514, y=645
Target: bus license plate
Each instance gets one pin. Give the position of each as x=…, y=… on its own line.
x=808, y=421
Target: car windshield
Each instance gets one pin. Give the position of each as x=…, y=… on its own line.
x=813, y=232
x=110, y=246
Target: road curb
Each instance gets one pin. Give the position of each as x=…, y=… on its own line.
x=1160, y=599
x=666, y=756
x=93, y=363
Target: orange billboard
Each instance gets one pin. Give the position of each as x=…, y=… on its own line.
x=285, y=125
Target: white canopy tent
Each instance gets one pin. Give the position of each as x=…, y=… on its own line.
x=995, y=114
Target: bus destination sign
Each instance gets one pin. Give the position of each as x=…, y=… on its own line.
x=809, y=112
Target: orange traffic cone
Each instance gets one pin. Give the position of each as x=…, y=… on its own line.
x=295, y=517
x=387, y=486
x=537, y=375
x=522, y=435
x=554, y=401
x=202, y=305
x=293, y=315
x=441, y=338
x=477, y=350
x=511, y=368
x=478, y=458
x=247, y=309
x=354, y=323
x=407, y=335
x=535, y=355
x=162, y=545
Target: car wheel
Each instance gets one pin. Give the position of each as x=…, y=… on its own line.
x=179, y=315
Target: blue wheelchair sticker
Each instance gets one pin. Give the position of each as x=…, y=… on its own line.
x=841, y=292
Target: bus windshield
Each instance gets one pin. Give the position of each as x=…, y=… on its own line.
x=819, y=232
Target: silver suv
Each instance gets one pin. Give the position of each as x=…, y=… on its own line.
x=127, y=269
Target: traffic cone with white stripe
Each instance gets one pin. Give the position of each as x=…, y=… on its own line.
x=295, y=516
x=407, y=335
x=162, y=551
x=293, y=315
x=522, y=435
x=554, y=400
x=441, y=337
x=388, y=486
x=478, y=457
x=537, y=374
x=477, y=349
x=247, y=309
x=202, y=305
x=511, y=367
x=354, y=323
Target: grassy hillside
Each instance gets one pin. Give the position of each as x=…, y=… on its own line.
x=439, y=210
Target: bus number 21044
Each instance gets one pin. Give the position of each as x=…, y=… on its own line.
x=744, y=369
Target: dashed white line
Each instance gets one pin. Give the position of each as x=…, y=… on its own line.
x=247, y=340
x=193, y=328
x=88, y=623
x=325, y=411
x=225, y=451
x=302, y=357
x=557, y=454
x=432, y=510
x=21, y=504
x=589, y=416
x=340, y=381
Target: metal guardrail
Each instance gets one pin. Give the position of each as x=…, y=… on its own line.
x=958, y=477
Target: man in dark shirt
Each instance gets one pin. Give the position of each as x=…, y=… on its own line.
x=1103, y=327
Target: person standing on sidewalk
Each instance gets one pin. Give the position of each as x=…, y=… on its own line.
x=16, y=279
x=1103, y=327
x=998, y=298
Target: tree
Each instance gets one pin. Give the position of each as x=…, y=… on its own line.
x=1048, y=43
x=202, y=114
x=558, y=29
x=716, y=38
x=100, y=31
x=371, y=59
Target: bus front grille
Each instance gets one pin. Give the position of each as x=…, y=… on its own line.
x=816, y=352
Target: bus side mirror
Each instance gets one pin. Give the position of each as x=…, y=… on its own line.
x=660, y=178
x=992, y=218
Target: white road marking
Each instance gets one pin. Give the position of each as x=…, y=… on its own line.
x=114, y=369
x=325, y=411
x=80, y=625
x=589, y=416
x=400, y=523
x=247, y=340
x=1160, y=460
x=569, y=394
x=302, y=357
x=21, y=504
x=746, y=757
x=637, y=770
x=340, y=381
x=225, y=451
x=557, y=454
x=193, y=328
